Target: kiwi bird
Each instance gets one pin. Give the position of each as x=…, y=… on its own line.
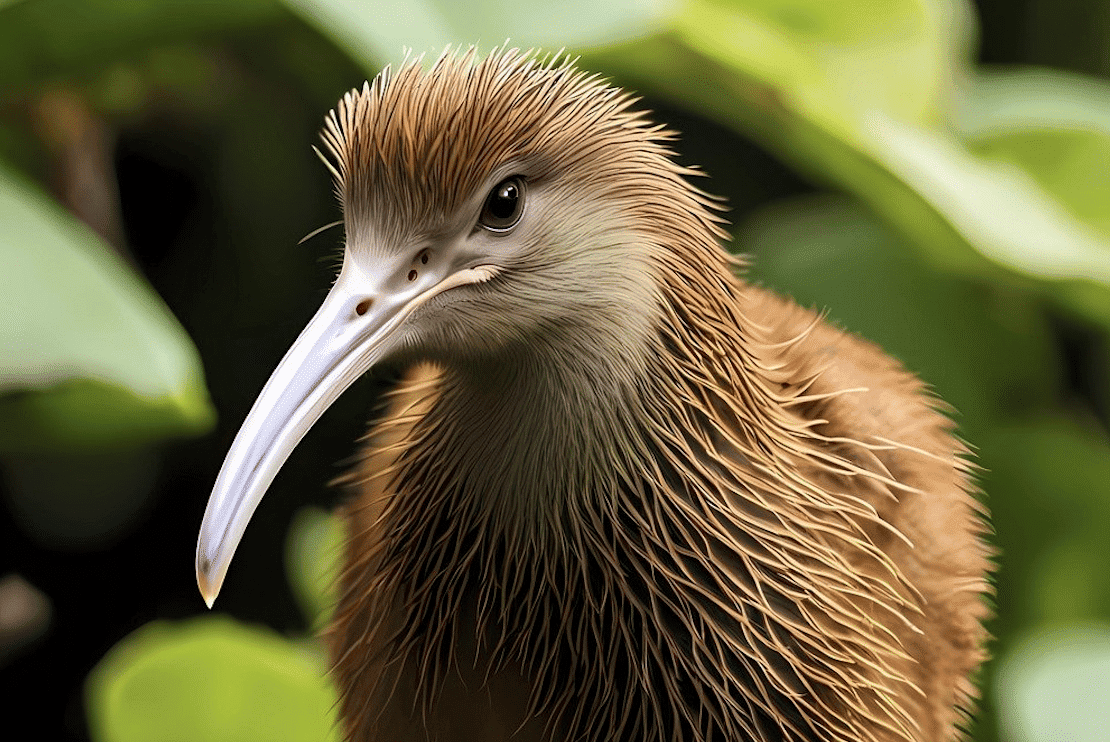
x=619, y=493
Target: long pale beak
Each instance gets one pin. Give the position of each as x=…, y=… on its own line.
x=356, y=325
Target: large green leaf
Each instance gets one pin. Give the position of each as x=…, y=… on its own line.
x=1001, y=211
x=209, y=680
x=44, y=38
x=89, y=355
x=377, y=32
x=1056, y=686
x=832, y=63
x=1052, y=129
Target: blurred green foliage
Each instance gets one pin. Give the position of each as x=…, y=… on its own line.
x=210, y=679
x=964, y=225
x=88, y=352
x=313, y=552
x=1053, y=686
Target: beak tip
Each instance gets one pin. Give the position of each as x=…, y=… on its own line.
x=208, y=591
x=208, y=583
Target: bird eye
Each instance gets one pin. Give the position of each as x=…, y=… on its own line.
x=504, y=205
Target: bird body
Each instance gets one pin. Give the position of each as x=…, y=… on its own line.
x=620, y=493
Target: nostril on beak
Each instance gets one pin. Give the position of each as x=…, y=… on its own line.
x=363, y=307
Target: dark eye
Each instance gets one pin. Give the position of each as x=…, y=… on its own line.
x=504, y=205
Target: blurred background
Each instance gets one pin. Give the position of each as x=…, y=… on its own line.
x=934, y=173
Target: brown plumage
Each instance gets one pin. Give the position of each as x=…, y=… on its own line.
x=621, y=494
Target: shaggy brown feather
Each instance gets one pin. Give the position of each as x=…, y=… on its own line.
x=747, y=524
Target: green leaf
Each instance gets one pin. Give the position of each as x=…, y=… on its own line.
x=89, y=354
x=980, y=349
x=834, y=62
x=1003, y=101
x=209, y=680
x=313, y=552
x=378, y=32
x=1056, y=686
x=1052, y=128
x=40, y=39
x=1002, y=211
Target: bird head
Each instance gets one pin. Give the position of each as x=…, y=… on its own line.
x=493, y=208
